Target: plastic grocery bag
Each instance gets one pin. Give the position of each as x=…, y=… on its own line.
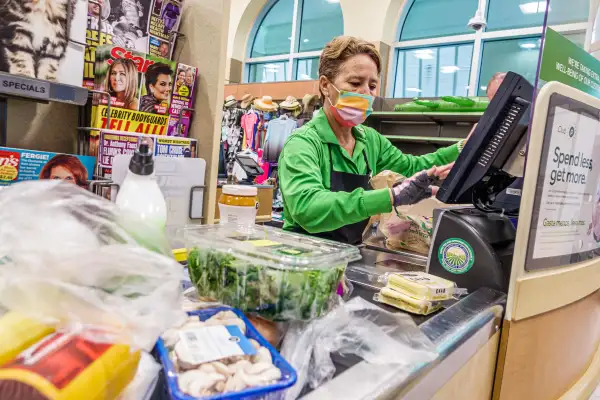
x=71, y=258
x=410, y=228
x=356, y=327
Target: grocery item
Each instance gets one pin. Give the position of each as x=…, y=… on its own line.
x=131, y=290
x=444, y=104
x=407, y=303
x=255, y=368
x=420, y=285
x=276, y=274
x=411, y=227
x=238, y=204
x=140, y=193
x=65, y=366
x=18, y=332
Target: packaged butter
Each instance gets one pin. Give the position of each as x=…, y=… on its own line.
x=65, y=366
x=406, y=303
x=18, y=332
x=421, y=285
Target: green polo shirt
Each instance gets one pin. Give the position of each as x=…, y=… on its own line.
x=304, y=175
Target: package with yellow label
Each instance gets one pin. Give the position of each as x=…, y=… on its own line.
x=65, y=366
x=17, y=332
x=406, y=303
x=420, y=285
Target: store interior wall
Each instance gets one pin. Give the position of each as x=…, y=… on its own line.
x=207, y=22
x=45, y=127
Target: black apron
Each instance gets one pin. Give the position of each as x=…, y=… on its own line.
x=346, y=182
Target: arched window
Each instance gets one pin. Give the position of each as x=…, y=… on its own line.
x=288, y=37
x=438, y=55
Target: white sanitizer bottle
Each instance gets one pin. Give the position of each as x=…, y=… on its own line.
x=140, y=193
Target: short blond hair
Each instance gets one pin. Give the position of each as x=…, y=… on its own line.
x=339, y=50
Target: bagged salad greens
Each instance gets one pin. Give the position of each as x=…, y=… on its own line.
x=278, y=275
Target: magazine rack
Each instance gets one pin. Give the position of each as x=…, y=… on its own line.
x=47, y=123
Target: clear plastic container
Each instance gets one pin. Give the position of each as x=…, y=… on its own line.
x=279, y=275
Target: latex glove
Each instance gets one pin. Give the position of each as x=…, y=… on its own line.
x=420, y=186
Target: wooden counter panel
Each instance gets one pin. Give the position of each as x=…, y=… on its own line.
x=542, y=357
x=542, y=291
x=475, y=379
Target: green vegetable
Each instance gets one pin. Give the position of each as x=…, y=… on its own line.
x=275, y=294
x=445, y=104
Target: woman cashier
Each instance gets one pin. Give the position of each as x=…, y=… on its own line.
x=325, y=166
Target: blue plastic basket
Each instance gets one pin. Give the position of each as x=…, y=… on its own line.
x=271, y=392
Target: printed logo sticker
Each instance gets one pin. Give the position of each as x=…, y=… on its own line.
x=456, y=256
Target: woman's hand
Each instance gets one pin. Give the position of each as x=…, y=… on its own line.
x=420, y=186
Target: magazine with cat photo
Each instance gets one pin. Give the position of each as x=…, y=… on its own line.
x=146, y=26
x=50, y=39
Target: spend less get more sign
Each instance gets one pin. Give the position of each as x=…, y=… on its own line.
x=566, y=218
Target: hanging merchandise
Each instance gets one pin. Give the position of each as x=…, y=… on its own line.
x=230, y=101
x=146, y=26
x=280, y=129
x=310, y=103
x=265, y=104
x=291, y=104
x=182, y=97
x=246, y=101
x=231, y=131
x=135, y=81
x=42, y=44
x=265, y=167
x=250, y=122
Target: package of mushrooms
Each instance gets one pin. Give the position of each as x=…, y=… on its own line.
x=217, y=354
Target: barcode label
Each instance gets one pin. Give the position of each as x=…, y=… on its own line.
x=214, y=343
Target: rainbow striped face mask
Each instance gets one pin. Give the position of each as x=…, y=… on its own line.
x=351, y=108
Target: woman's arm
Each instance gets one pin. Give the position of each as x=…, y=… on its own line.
x=391, y=158
x=310, y=203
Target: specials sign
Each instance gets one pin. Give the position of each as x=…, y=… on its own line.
x=24, y=87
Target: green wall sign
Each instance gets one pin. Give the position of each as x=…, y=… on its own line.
x=563, y=61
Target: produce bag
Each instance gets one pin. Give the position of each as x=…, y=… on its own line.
x=72, y=259
x=356, y=327
x=411, y=227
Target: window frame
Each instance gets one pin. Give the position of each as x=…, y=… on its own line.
x=406, y=48
x=477, y=38
x=292, y=57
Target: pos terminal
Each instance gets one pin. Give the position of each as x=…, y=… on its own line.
x=473, y=244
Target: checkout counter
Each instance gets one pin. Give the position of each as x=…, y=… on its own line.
x=530, y=328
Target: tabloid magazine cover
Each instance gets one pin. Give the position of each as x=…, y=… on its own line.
x=44, y=39
x=140, y=89
x=18, y=165
x=182, y=98
x=113, y=143
x=146, y=26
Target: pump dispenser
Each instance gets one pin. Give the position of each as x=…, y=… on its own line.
x=140, y=193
